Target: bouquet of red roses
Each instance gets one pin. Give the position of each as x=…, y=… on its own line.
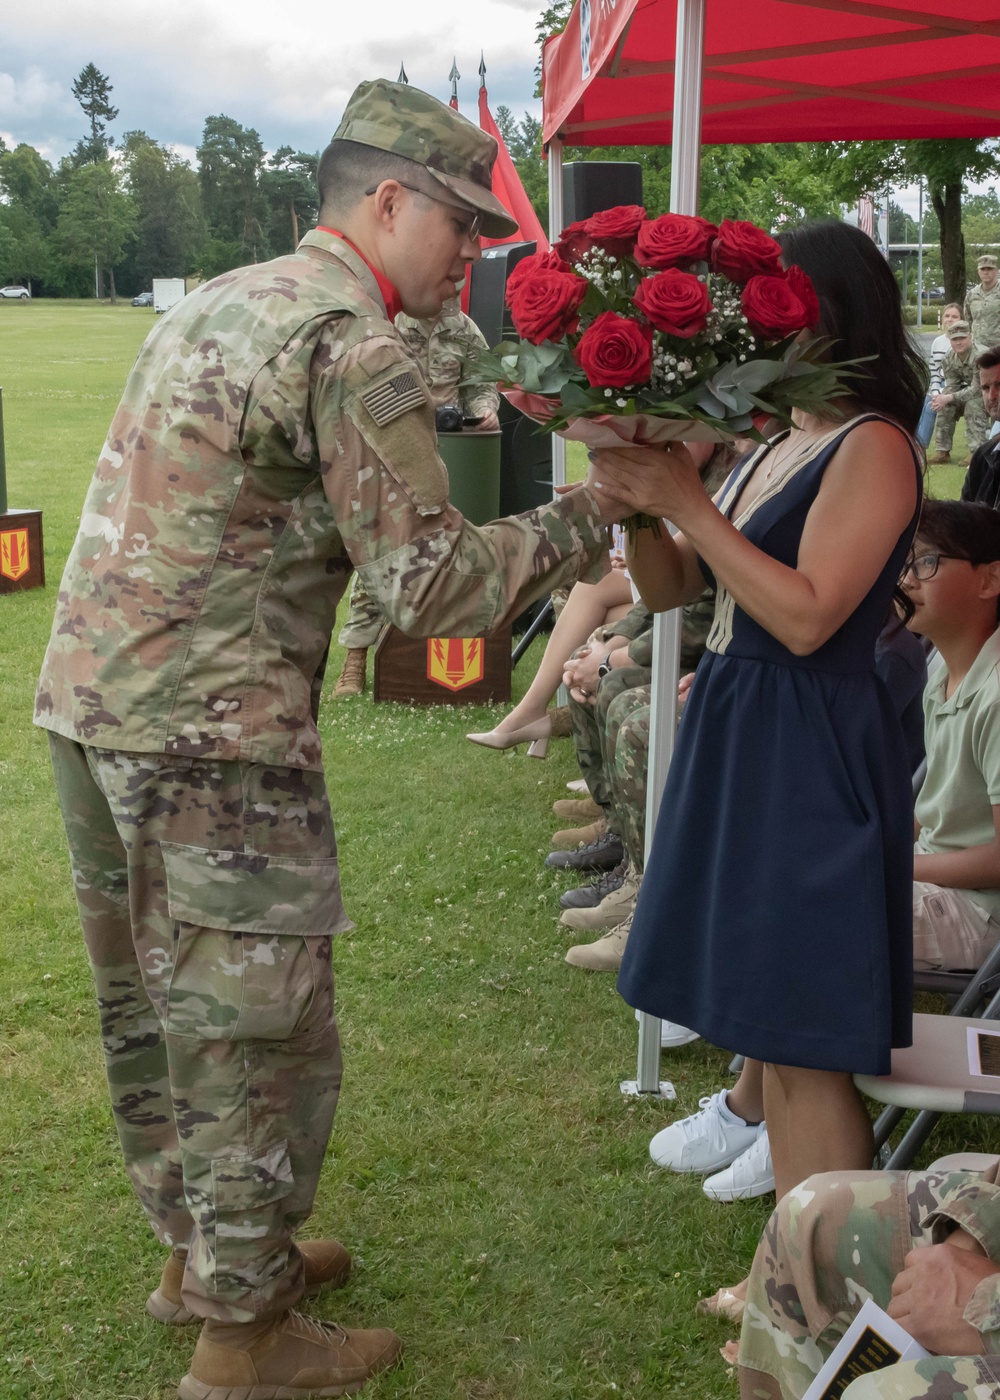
x=650, y=329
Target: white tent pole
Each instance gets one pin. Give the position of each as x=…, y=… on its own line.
x=685, y=166
x=556, y=224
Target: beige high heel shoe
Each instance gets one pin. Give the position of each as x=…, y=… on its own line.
x=536, y=734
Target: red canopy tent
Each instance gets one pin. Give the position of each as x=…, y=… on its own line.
x=778, y=70
x=679, y=72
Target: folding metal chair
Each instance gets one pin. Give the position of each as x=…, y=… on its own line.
x=932, y=1075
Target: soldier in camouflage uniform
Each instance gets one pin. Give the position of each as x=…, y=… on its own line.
x=840, y=1238
x=274, y=434
x=961, y=395
x=982, y=304
x=441, y=347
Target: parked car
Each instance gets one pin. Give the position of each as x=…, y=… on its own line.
x=143, y=299
x=19, y=293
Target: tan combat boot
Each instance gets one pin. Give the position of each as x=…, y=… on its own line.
x=612, y=910
x=606, y=954
x=583, y=809
x=326, y=1264
x=352, y=677
x=291, y=1356
x=939, y=459
x=574, y=836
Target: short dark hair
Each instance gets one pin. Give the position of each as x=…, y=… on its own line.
x=962, y=529
x=861, y=313
x=348, y=168
x=989, y=359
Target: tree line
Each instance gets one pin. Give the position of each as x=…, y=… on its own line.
x=110, y=218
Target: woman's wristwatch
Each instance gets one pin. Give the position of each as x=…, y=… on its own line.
x=605, y=667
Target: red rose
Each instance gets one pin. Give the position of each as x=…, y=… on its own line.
x=615, y=230
x=772, y=308
x=743, y=249
x=544, y=307
x=675, y=302
x=801, y=285
x=530, y=266
x=673, y=239
x=573, y=242
x=614, y=351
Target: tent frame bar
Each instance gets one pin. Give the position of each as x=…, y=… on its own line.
x=685, y=171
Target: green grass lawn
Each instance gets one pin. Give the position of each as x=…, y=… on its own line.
x=485, y=1169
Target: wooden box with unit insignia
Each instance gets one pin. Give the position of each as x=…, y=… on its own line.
x=22, y=562
x=443, y=670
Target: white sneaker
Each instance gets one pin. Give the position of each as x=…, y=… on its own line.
x=705, y=1142
x=750, y=1175
x=673, y=1034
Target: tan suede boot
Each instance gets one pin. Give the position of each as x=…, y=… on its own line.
x=352, y=677
x=612, y=910
x=583, y=809
x=574, y=836
x=291, y=1356
x=605, y=955
x=326, y=1264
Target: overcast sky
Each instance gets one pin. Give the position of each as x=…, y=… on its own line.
x=284, y=69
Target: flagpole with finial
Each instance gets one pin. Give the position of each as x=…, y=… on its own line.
x=482, y=69
x=454, y=76
x=402, y=76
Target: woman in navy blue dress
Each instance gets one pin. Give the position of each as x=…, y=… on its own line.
x=774, y=917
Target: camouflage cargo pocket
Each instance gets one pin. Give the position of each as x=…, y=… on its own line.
x=251, y=956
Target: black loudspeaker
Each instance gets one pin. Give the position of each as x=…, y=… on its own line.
x=592, y=185
x=487, y=287
x=525, y=454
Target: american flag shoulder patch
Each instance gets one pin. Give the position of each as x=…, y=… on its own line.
x=393, y=397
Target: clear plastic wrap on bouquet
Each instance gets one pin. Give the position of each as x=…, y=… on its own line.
x=612, y=430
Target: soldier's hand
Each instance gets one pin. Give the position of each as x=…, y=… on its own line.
x=489, y=423
x=933, y=1290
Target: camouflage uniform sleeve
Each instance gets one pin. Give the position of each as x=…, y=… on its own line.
x=429, y=569
x=960, y=381
x=640, y=649
x=974, y=1206
x=477, y=399
x=633, y=623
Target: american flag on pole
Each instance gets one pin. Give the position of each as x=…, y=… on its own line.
x=866, y=215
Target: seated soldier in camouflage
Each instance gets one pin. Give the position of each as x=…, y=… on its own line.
x=441, y=347
x=275, y=433
x=609, y=683
x=924, y=1245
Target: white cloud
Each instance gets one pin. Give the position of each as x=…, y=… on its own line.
x=171, y=66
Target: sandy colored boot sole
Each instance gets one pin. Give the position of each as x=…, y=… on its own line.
x=191, y=1389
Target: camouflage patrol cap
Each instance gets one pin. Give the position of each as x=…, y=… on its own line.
x=457, y=156
x=958, y=330
x=987, y=260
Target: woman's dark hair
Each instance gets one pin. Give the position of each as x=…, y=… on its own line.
x=962, y=530
x=861, y=314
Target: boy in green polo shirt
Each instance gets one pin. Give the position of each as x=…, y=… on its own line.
x=953, y=582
